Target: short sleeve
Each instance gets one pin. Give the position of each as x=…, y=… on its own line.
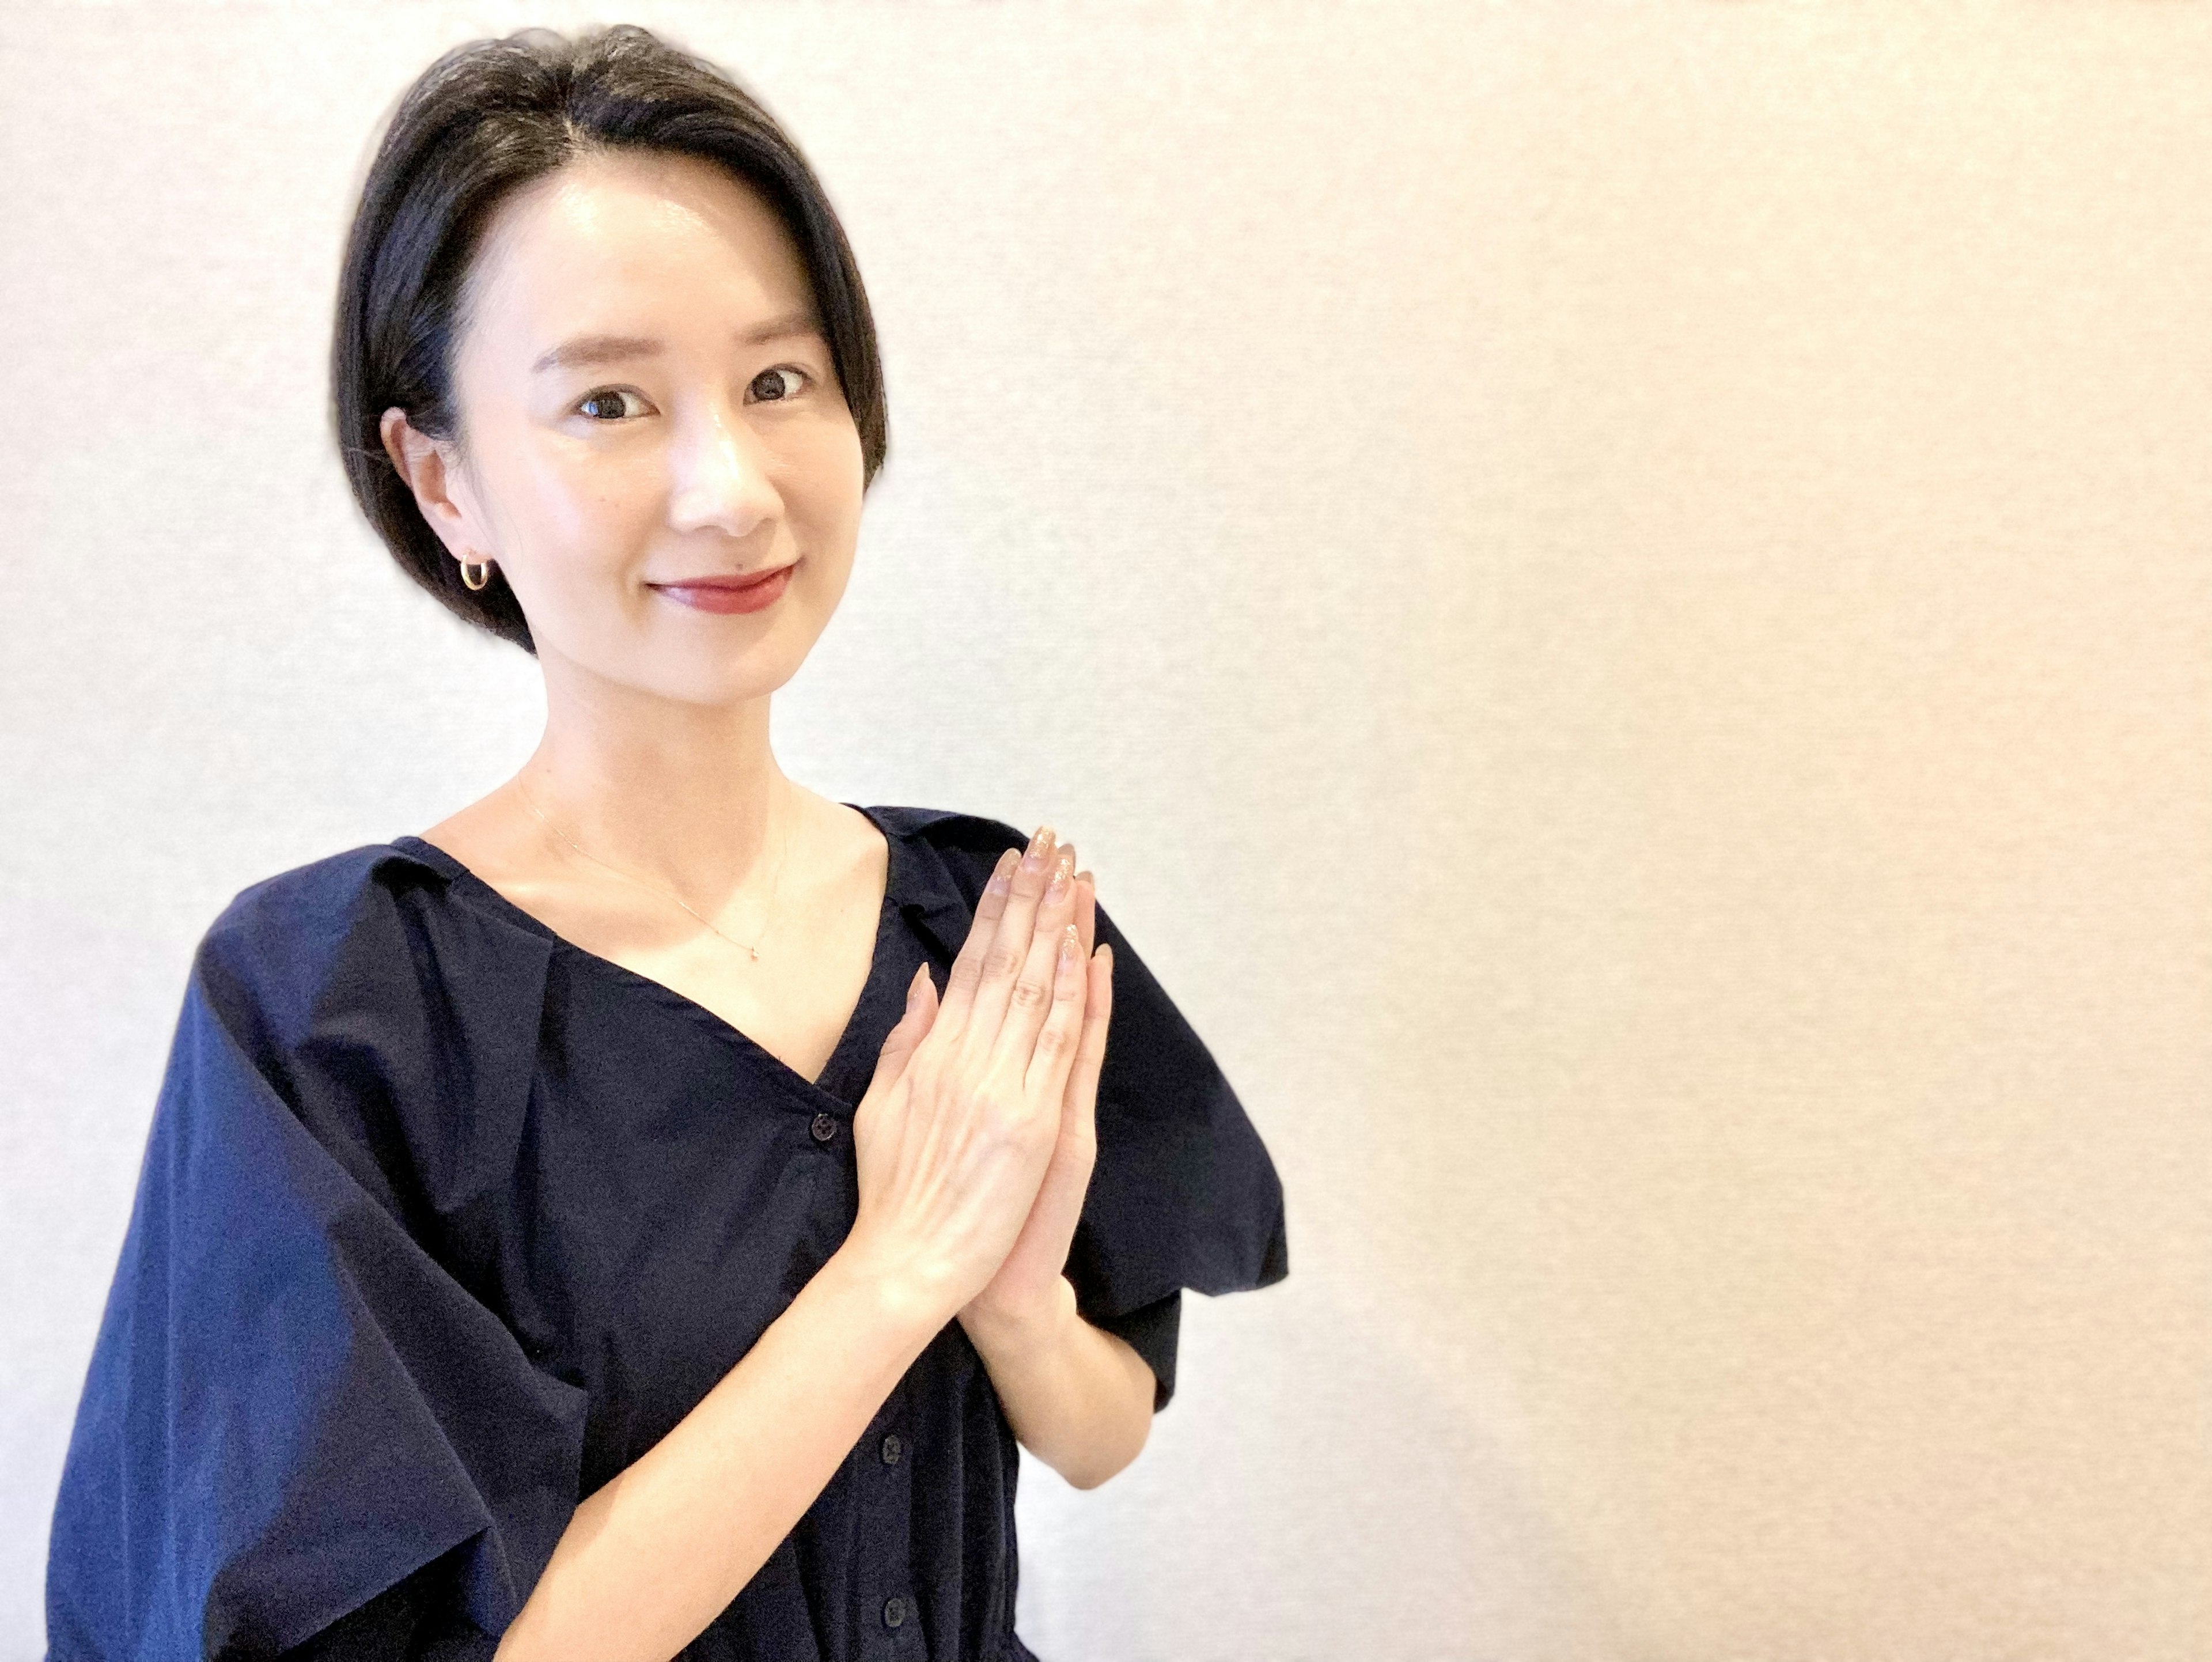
x=1183, y=1194
x=292, y=1409
x=1153, y=1330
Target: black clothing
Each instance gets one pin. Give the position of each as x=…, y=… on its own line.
x=444, y=1221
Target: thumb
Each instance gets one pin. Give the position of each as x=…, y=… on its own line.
x=911, y=1028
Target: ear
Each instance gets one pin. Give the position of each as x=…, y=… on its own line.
x=440, y=492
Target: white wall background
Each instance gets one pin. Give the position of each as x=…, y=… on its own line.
x=1630, y=585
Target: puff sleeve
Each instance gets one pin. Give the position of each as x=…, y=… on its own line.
x=1183, y=1193
x=292, y=1408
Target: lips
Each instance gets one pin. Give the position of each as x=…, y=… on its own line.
x=742, y=593
x=750, y=579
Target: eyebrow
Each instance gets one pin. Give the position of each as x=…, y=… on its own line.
x=588, y=351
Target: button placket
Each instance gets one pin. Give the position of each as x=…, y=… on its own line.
x=899, y=1613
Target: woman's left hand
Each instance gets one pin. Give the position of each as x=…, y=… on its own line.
x=1025, y=1293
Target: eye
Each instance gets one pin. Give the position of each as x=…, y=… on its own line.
x=783, y=383
x=609, y=400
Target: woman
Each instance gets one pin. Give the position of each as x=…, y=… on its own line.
x=585, y=1228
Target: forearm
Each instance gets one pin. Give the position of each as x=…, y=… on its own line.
x=654, y=1555
x=1078, y=1397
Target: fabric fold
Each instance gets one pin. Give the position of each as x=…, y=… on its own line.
x=290, y=1405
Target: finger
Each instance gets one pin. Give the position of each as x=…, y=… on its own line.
x=1068, y=849
x=1091, y=1052
x=1086, y=898
x=1031, y=999
x=907, y=1033
x=967, y=966
x=1053, y=1053
x=1008, y=953
x=1086, y=901
x=1086, y=910
x=1078, y=1143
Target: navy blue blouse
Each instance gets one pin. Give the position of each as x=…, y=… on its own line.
x=444, y=1221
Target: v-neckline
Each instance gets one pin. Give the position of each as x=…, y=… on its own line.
x=729, y=1031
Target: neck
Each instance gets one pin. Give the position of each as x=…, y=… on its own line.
x=686, y=795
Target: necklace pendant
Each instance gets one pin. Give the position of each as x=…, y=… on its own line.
x=755, y=951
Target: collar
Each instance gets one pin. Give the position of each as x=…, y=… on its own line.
x=921, y=882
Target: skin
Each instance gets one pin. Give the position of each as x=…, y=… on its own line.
x=730, y=450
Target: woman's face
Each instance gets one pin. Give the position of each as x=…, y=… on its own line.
x=646, y=400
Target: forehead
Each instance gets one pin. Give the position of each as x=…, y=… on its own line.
x=622, y=238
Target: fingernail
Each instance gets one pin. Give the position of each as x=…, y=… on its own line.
x=914, y=988
x=1061, y=878
x=1071, y=942
x=1002, y=875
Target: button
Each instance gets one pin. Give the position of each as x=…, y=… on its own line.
x=825, y=1128
x=894, y=1612
x=893, y=1448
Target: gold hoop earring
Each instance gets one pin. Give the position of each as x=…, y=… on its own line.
x=482, y=566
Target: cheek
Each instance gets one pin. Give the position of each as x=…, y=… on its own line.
x=585, y=523
x=826, y=501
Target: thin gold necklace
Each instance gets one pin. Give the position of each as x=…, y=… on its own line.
x=669, y=894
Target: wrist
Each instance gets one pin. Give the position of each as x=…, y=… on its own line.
x=896, y=1292
x=1030, y=1327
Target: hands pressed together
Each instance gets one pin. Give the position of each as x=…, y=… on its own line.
x=974, y=1143
x=976, y=1138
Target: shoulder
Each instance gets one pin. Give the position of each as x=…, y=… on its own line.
x=368, y=954
x=281, y=938
x=323, y=900
x=962, y=847
x=951, y=832
x=371, y=1002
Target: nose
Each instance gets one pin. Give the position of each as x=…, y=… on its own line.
x=719, y=476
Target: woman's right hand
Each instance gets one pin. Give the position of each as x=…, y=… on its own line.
x=954, y=1134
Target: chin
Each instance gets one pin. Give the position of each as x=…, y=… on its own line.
x=753, y=671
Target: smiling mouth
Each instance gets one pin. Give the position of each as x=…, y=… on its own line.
x=727, y=585
x=729, y=594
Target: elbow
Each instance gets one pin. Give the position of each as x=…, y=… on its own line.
x=1110, y=1462
x=1089, y=1477
x=1112, y=1430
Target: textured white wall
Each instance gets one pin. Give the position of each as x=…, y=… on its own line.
x=1631, y=585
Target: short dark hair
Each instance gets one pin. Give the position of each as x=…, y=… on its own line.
x=486, y=118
